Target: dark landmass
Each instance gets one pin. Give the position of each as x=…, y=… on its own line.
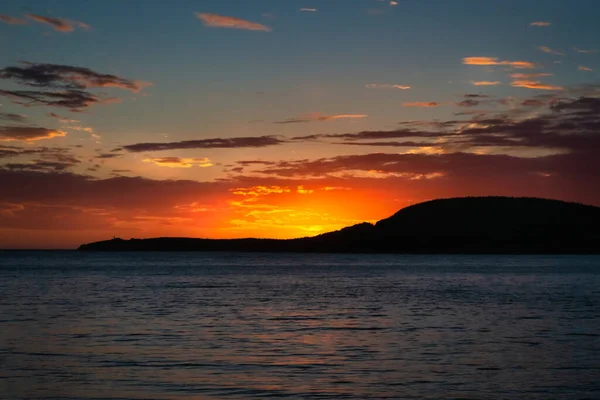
x=471, y=225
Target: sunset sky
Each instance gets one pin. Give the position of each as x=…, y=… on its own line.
x=286, y=118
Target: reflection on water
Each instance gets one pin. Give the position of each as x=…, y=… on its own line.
x=199, y=326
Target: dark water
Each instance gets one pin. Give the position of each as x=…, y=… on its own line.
x=217, y=326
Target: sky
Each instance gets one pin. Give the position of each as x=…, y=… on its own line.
x=285, y=118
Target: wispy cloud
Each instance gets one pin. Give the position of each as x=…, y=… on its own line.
x=485, y=83
x=64, y=85
x=221, y=21
x=528, y=76
x=386, y=86
x=27, y=133
x=74, y=100
x=584, y=68
x=260, y=190
x=59, y=76
x=421, y=104
x=495, y=61
x=534, y=85
x=540, y=23
x=12, y=117
x=58, y=24
x=309, y=9
x=12, y=20
x=176, y=162
x=548, y=50
x=222, y=143
x=586, y=51
x=318, y=117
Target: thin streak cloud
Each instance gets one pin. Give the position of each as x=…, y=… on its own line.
x=548, y=50
x=386, y=86
x=495, y=61
x=58, y=24
x=485, y=83
x=221, y=21
x=7, y=19
x=534, y=85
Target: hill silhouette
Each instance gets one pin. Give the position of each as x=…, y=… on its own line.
x=470, y=225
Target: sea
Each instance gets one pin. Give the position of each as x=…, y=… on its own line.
x=78, y=325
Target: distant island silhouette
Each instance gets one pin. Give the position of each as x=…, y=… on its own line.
x=469, y=225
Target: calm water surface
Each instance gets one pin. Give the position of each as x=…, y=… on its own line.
x=247, y=326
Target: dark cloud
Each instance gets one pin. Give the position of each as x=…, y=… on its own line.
x=468, y=103
x=476, y=96
x=58, y=24
x=63, y=77
x=12, y=117
x=106, y=156
x=27, y=133
x=39, y=165
x=74, y=100
x=567, y=125
x=259, y=141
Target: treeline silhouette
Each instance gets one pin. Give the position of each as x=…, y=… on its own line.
x=470, y=225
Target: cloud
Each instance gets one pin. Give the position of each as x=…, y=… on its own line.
x=220, y=21
x=27, y=133
x=39, y=165
x=386, y=86
x=176, y=162
x=226, y=143
x=318, y=117
x=528, y=76
x=57, y=76
x=393, y=3
x=421, y=104
x=58, y=24
x=74, y=100
x=468, y=103
x=485, y=83
x=585, y=51
x=495, y=61
x=256, y=191
x=534, y=85
x=540, y=23
x=309, y=9
x=12, y=117
x=584, y=68
x=12, y=20
x=548, y=50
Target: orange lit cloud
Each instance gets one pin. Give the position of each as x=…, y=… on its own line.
x=386, y=86
x=261, y=190
x=318, y=117
x=177, y=162
x=548, y=50
x=302, y=190
x=540, y=23
x=58, y=24
x=495, y=61
x=421, y=104
x=485, y=83
x=528, y=76
x=534, y=85
x=584, y=68
x=27, y=133
x=221, y=21
x=12, y=20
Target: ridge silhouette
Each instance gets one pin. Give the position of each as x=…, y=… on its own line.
x=469, y=225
